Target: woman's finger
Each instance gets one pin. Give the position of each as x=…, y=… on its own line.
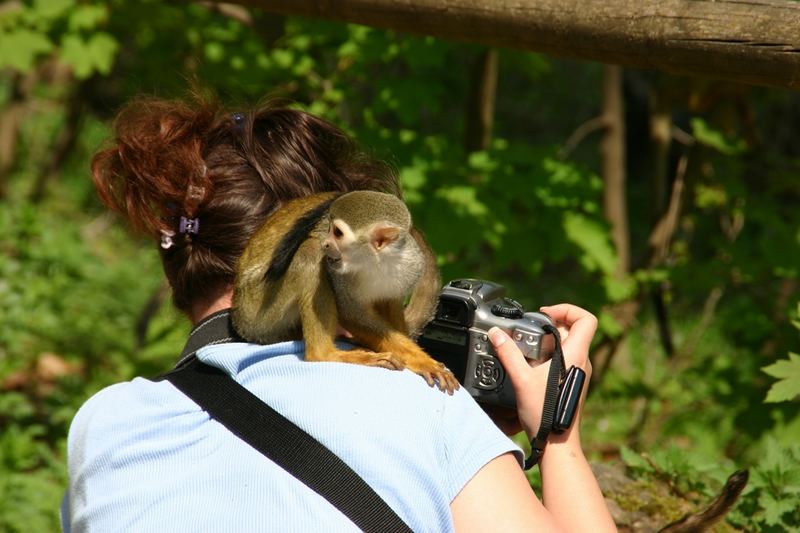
x=582, y=324
x=567, y=313
x=509, y=354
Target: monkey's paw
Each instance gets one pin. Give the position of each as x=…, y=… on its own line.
x=436, y=374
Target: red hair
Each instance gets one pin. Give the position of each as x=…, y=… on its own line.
x=193, y=158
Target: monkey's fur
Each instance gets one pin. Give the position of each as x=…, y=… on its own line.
x=348, y=259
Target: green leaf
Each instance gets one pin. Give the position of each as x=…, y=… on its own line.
x=633, y=459
x=87, y=17
x=788, y=385
x=464, y=199
x=283, y=58
x=609, y=325
x=774, y=509
x=50, y=9
x=618, y=290
x=592, y=237
x=103, y=48
x=214, y=51
x=87, y=57
x=21, y=47
x=413, y=177
x=708, y=136
x=481, y=161
x=708, y=196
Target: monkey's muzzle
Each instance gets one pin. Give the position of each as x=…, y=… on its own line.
x=333, y=257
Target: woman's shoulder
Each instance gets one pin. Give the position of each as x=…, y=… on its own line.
x=126, y=407
x=140, y=391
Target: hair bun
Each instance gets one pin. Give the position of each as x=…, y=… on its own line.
x=153, y=170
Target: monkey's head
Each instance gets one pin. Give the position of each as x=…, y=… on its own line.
x=367, y=229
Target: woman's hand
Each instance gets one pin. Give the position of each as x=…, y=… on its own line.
x=570, y=492
x=577, y=327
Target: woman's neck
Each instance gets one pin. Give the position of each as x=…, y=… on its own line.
x=201, y=309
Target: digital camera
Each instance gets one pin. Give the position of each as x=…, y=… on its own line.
x=458, y=337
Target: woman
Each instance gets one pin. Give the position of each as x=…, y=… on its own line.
x=143, y=457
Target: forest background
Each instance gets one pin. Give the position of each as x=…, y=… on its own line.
x=510, y=162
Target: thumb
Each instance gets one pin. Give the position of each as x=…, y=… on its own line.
x=529, y=382
x=511, y=358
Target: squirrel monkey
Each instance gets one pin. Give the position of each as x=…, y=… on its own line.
x=341, y=259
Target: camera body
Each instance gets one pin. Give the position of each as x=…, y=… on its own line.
x=458, y=337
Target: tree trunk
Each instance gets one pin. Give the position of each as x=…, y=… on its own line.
x=612, y=148
x=753, y=41
x=11, y=116
x=480, y=106
x=615, y=209
x=62, y=147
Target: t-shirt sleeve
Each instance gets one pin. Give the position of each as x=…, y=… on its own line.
x=471, y=440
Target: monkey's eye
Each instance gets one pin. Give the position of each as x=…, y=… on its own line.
x=337, y=232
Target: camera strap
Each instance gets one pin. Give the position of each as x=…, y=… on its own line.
x=274, y=435
x=555, y=378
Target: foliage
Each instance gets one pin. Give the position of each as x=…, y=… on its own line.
x=788, y=385
x=67, y=296
x=770, y=501
x=788, y=373
x=67, y=28
x=76, y=286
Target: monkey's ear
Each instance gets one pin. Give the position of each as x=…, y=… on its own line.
x=383, y=235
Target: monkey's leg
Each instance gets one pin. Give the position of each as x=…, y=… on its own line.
x=319, y=319
x=381, y=337
x=416, y=360
x=394, y=314
x=425, y=297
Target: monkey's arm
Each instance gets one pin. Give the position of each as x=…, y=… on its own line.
x=424, y=298
x=316, y=304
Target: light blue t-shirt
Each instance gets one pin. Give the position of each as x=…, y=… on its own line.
x=143, y=457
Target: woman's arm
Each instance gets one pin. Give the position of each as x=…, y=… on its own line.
x=498, y=497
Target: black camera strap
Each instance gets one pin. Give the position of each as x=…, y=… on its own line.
x=555, y=379
x=274, y=435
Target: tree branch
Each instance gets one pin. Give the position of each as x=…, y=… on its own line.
x=580, y=133
x=754, y=41
x=232, y=11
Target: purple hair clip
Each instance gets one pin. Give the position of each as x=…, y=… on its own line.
x=189, y=225
x=238, y=120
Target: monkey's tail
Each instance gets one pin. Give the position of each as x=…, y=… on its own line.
x=719, y=507
x=425, y=298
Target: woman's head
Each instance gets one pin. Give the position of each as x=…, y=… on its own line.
x=174, y=161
